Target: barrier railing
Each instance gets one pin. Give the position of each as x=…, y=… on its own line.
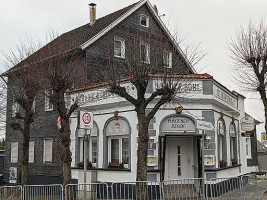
x=90, y=191
x=225, y=188
x=142, y=190
x=11, y=192
x=182, y=189
x=40, y=192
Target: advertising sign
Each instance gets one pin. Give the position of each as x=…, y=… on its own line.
x=86, y=120
x=204, y=125
x=247, y=123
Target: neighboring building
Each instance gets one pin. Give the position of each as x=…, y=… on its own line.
x=174, y=141
x=262, y=156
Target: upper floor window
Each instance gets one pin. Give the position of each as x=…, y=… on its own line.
x=145, y=53
x=48, y=146
x=15, y=107
x=144, y=20
x=48, y=104
x=167, y=59
x=119, y=47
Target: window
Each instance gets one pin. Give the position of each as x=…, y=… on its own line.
x=48, y=145
x=118, y=142
x=14, y=152
x=15, y=107
x=48, y=104
x=145, y=53
x=221, y=141
x=233, y=142
x=94, y=150
x=33, y=105
x=167, y=59
x=248, y=148
x=119, y=47
x=144, y=20
x=31, y=151
x=179, y=173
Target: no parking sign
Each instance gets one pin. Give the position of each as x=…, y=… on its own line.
x=86, y=120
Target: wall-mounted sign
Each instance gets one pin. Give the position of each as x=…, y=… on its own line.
x=247, y=134
x=178, y=124
x=59, y=122
x=86, y=120
x=224, y=96
x=247, y=123
x=204, y=125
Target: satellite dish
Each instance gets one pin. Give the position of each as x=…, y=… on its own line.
x=156, y=9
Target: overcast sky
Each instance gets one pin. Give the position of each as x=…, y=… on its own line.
x=211, y=22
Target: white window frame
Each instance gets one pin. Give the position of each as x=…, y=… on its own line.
x=120, y=148
x=48, y=104
x=14, y=146
x=15, y=107
x=147, y=20
x=31, y=151
x=147, y=52
x=248, y=148
x=169, y=61
x=50, y=151
x=122, y=47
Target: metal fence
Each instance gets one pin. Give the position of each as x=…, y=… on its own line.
x=244, y=187
x=91, y=191
x=225, y=188
x=11, y=192
x=40, y=192
x=182, y=189
x=141, y=190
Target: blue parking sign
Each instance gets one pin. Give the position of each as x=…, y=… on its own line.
x=86, y=137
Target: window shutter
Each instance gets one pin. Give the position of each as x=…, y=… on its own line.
x=31, y=151
x=14, y=152
x=48, y=144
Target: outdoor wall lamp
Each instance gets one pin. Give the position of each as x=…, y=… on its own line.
x=207, y=141
x=151, y=142
x=116, y=115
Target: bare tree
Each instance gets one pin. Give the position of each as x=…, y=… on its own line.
x=23, y=88
x=249, y=53
x=60, y=72
x=145, y=58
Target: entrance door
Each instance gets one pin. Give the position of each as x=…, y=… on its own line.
x=179, y=158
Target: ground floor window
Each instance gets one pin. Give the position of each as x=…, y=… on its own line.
x=119, y=150
x=31, y=151
x=91, y=154
x=248, y=148
x=48, y=146
x=14, y=152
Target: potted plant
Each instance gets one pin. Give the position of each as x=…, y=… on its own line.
x=81, y=164
x=234, y=162
x=223, y=163
x=115, y=165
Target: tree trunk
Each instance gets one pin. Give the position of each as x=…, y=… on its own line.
x=25, y=150
x=66, y=153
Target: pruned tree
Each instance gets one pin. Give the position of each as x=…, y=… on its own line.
x=249, y=54
x=145, y=59
x=60, y=72
x=23, y=88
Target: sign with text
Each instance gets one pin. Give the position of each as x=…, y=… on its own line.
x=86, y=120
x=178, y=124
x=247, y=134
x=224, y=96
x=204, y=125
x=247, y=123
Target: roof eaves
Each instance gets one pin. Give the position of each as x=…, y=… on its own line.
x=112, y=25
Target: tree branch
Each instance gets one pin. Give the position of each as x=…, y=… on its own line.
x=17, y=127
x=121, y=91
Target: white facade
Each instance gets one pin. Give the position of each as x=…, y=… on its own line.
x=175, y=143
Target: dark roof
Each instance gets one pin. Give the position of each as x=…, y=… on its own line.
x=261, y=147
x=73, y=39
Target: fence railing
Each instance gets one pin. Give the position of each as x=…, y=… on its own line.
x=243, y=188
x=182, y=189
x=11, y=192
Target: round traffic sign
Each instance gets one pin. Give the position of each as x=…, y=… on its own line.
x=86, y=118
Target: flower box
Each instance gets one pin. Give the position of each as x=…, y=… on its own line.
x=115, y=165
x=81, y=165
x=222, y=163
x=234, y=162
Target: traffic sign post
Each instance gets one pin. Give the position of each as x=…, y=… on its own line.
x=86, y=120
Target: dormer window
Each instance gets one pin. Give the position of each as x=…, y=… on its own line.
x=144, y=20
x=167, y=59
x=119, y=47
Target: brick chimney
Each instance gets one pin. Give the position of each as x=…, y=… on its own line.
x=92, y=7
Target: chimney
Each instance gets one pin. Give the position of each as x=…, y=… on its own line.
x=92, y=7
